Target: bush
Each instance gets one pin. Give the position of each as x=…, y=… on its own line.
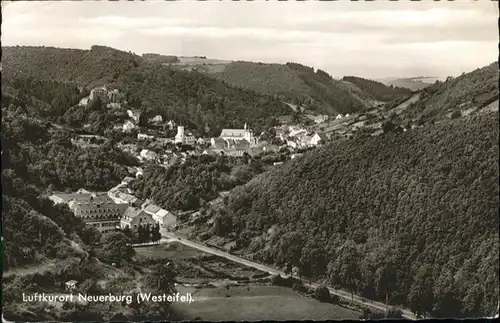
x=456, y=114
x=369, y=314
x=388, y=126
x=322, y=294
x=394, y=313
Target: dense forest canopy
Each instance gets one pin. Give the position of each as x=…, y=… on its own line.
x=52, y=76
x=295, y=83
x=378, y=90
x=412, y=216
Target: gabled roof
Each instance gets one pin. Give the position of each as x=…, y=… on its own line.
x=232, y=133
x=152, y=208
x=131, y=213
x=128, y=179
x=322, y=136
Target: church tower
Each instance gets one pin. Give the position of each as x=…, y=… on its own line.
x=179, y=137
x=248, y=134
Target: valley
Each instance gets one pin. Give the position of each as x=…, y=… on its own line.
x=264, y=191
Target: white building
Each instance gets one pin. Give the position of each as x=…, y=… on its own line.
x=134, y=114
x=142, y=136
x=163, y=217
x=239, y=134
x=133, y=217
x=318, y=136
x=183, y=138
x=148, y=154
x=128, y=126
x=157, y=119
x=339, y=116
x=171, y=124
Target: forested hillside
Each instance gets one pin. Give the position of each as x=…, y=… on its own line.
x=36, y=159
x=378, y=90
x=58, y=78
x=196, y=100
x=294, y=82
x=190, y=185
x=97, y=66
x=411, y=216
x=473, y=90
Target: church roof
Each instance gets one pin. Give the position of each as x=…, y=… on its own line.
x=233, y=133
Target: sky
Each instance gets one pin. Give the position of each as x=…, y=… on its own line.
x=368, y=39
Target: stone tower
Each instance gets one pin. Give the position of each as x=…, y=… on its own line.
x=179, y=137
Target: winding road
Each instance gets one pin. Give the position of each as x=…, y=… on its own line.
x=171, y=237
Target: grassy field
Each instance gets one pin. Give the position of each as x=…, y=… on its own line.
x=252, y=303
x=169, y=251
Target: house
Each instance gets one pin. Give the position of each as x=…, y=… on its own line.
x=318, y=137
x=134, y=115
x=212, y=152
x=339, y=116
x=234, y=152
x=100, y=93
x=65, y=198
x=296, y=155
x=163, y=217
x=321, y=118
x=120, y=197
x=126, y=181
x=156, y=119
x=171, y=124
x=292, y=142
x=142, y=136
x=218, y=143
x=184, y=138
x=88, y=140
x=239, y=134
x=200, y=141
x=305, y=141
x=83, y=102
x=128, y=126
x=164, y=141
x=70, y=285
x=277, y=163
x=148, y=154
x=114, y=105
x=134, y=217
x=238, y=144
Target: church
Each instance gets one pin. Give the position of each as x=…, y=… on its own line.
x=238, y=137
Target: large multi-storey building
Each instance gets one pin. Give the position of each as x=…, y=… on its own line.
x=95, y=209
x=238, y=135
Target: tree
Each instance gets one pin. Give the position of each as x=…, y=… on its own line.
x=387, y=126
x=91, y=235
x=322, y=294
x=116, y=248
x=456, y=114
x=155, y=233
x=421, y=297
x=163, y=276
x=127, y=232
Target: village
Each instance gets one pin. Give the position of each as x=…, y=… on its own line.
x=147, y=141
x=119, y=208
